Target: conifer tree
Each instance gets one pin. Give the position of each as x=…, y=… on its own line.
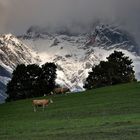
x=31, y=81
x=47, y=78
x=117, y=69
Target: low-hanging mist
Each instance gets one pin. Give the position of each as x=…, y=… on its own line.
x=19, y=15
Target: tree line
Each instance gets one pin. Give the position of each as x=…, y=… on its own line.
x=31, y=81
x=34, y=81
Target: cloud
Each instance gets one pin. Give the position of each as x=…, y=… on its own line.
x=18, y=15
x=4, y=10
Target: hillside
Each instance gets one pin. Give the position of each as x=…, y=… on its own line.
x=109, y=113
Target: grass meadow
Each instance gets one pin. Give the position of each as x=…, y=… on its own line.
x=108, y=113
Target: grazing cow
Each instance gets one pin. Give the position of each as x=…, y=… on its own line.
x=41, y=102
x=61, y=90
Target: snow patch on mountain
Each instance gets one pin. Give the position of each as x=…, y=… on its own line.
x=75, y=55
x=12, y=53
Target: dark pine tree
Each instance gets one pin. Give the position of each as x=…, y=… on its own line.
x=122, y=68
x=47, y=78
x=31, y=81
x=117, y=69
x=15, y=88
x=33, y=72
x=24, y=82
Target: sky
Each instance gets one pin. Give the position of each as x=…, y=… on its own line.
x=16, y=16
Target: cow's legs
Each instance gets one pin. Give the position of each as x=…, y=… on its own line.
x=34, y=108
x=43, y=107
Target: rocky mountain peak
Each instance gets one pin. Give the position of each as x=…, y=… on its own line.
x=13, y=52
x=109, y=36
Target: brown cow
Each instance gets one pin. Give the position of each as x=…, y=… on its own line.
x=41, y=102
x=61, y=90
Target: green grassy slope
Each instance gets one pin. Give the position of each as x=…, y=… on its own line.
x=110, y=113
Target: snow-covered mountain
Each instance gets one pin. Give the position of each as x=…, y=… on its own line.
x=12, y=53
x=76, y=54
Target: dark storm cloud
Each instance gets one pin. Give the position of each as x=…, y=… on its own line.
x=17, y=15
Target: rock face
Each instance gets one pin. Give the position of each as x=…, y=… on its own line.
x=109, y=37
x=12, y=53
